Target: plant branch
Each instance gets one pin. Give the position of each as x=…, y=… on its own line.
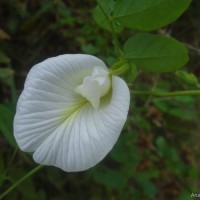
x=166, y=94
x=20, y=181
x=115, y=39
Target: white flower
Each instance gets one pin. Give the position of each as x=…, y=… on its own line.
x=71, y=112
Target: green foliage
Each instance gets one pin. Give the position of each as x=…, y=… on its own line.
x=132, y=73
x=181, y=107
x=188, y=78
x=145, y=15
x=103, y=13
x=148, y=15
x=155, y=53
x=149, y=52
x=112, y=179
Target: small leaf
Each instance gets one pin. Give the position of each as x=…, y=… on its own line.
x=6, y=123
x=132, y=73
x=148, y=15
x=120, y=67
x=102, y=20
x=154, y=53
x=188, y=78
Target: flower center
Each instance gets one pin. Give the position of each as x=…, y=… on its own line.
x=95, y=86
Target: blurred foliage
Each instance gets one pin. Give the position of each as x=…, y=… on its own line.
x=157, y=154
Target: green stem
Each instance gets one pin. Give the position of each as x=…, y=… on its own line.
x=115, y=39
x=166, y=94
x=20, y=181
x=9, y=164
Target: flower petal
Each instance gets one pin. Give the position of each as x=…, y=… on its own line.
x=87, y=137
x=48, y=91
x=61, y=127
x=95, y=86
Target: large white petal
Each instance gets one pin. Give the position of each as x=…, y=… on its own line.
x=49, y=122
x=85, y=138
x=48, y=92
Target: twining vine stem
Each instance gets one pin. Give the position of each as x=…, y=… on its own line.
x=166, y=94
x=115, y=40
x=34, y=170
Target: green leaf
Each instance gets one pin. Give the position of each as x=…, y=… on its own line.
x=102, y=17
x=188, y=78
x=155, y=53
x=6, y=123
x=147, y=15
x=132, y=72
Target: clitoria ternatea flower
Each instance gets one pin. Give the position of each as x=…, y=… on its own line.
x=71, y=112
